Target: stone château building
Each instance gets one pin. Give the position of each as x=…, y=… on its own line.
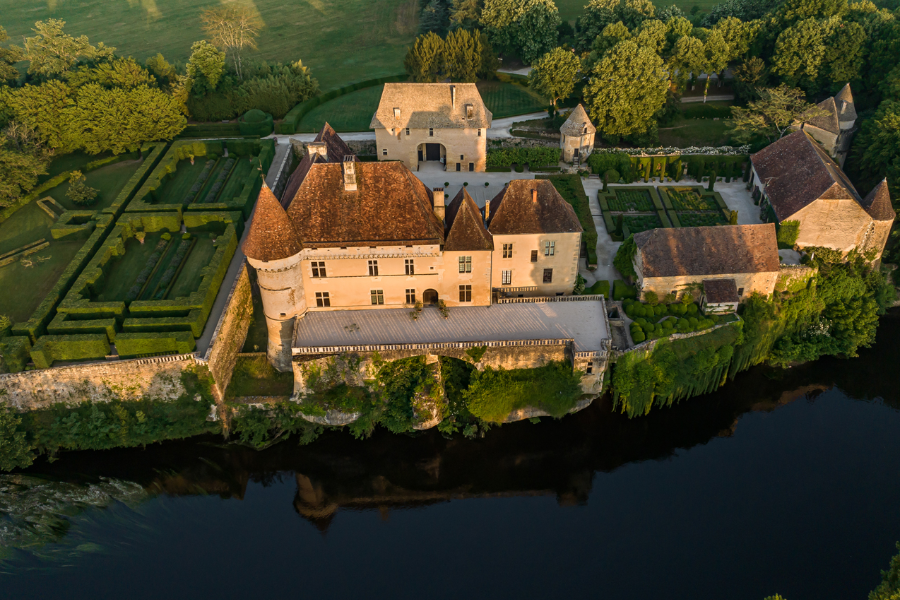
x=351, y=235
x=444, y=123
x=794, y=179
x=577, y=136
x=835, y=129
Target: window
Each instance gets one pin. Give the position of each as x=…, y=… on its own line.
x=411, y=296
x=465, y=264
x=471, y=166
x=377, y=297
x=323, y=299
x=462, y=157
x=407, y=131
x=507, y=250
x=431, y=132
x=740, y=292
x=373, y=268
x=318, y=269
x=548, y=275
x=534, y=256
x=465, y=293
x=590, y=368
x=384, y=151
x=459, y=166
x=479, y=133
x=549, y=248
x=410, y=267
x=507, y=277
x=585, y=131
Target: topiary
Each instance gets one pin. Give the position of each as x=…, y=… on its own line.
x=638, y=337
x=659, y=310
x=692, y=309
x=254, y=115
x=166, y=236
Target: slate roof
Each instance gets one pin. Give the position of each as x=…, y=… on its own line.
x=465, y=226
x=390, y=207
x=721, y=250
x=336, y=150
x=878, y=203
x=426, y=105
x=574, y=125
x=719, y=291
x=845, y=105
x=514, y=211
x=271, y=235
x=797, y=171
x=829, y=121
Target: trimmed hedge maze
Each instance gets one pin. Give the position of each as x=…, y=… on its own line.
x=144, y=270
x=638, y=208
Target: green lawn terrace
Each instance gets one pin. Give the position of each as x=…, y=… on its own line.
x=146, y=298
x=632, y=209
x=47, y=241
x=206, y=175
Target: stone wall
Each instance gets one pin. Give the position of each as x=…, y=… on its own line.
x=230, y=333
x=158, y=378
x=793, y=278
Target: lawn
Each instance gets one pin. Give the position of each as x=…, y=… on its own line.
x=189, y=279
x=639, y=223
x=177, y=190
x=625, y=200
x=121, y=272
x=698, y=124
x=258, y=334
x=343, y=41
x=350, y=112
x=254, y=376
x=107, y=180
x=508, y=99
x=24, y=288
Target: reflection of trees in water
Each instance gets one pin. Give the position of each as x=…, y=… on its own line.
x=398, y=471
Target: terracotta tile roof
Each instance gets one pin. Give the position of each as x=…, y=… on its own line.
x=465, y=227
x=722, y=250
x=390, y=207
x=425, y=105
x=515, y=211
x=718, y=291
x=878, y=203
x=336, y=149
x=576, y=122
x=844, y=101
x=271, y=235
x=797, y=171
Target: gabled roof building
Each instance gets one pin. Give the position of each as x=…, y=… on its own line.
x=836, y=127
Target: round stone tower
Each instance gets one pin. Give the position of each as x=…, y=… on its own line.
x=275, y=251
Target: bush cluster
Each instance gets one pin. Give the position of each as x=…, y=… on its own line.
x=652, y=322
x=506, y=157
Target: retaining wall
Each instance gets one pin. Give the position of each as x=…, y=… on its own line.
x=230, y=333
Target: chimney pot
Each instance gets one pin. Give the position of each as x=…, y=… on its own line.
x=534, y=195
x=349, y=167
x=439, y=207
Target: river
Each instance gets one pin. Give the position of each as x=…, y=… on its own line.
x=783, y=481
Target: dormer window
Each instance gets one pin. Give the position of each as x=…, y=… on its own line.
x=470, y=111
x=396, y=113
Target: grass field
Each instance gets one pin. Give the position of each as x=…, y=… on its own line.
x=698, y=125
x=121, y=272
x=569, y=10
x=189, y=279
x=108, y=181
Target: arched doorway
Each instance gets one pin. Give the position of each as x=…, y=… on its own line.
x=429, y=297
x=429, y=152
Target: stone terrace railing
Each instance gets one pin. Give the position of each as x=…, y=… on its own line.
x=430, y=346
x=538, y=299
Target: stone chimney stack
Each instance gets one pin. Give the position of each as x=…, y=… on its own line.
x=439, y=206
x=452, y=96
x=487, y=210
x=349, y=166
x=534, y=195
x=320, y=148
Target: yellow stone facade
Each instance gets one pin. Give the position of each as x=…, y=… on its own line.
x=556, y=251
x=460, y=149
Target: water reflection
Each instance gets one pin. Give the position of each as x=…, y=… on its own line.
x=389, y=472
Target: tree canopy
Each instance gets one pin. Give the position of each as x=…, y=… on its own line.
x=553, y=74
x=773, y=114
x=526, y=27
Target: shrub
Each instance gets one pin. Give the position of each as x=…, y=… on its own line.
x=650, y=297
x=139, y=344
x=622, y=290
x=79, y=192
x=50, y=348
x=692, y=309
x=623, y=259
x=638, y=337
x=788, y=232
x=494, y=393
x=535, y=157
x=16, y=351
x=167, y=236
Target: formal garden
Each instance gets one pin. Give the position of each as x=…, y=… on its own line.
x=629, y=210
x=655, y=319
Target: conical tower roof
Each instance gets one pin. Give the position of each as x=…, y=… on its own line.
x=272, y=236
x=577, y=121
x=878, y=203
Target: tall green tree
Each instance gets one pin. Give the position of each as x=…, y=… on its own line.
x=205, y=67
x=553, y=75
x=46, y=109
x=749, y=76
x=800, y=52
x=233, y=28
x=489, y=61
x=889, y=588
x=121, y=120
x=424, y=62
x=626, y=88
x=465, y=14
x=463, y=55
x=15, y=451
x=596, y=16
x=876, y=149
x=773, y=115
x=161, y=69
x=635, y=12
x=51, y=52
x=119, y=72
x=22, y=160
x=525, y=27
x=8, y=59
x=844, y=53
x=611, y=35
x=715, y=56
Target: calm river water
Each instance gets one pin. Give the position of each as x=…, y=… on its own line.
x=783, y=481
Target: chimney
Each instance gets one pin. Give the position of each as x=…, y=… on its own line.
x=439, y=203
x=314, y=148
x=349, y=174
x=534, y=195
x=452, y=96
x=487, y=210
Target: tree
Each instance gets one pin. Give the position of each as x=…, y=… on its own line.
x=22, y=160
x=623, y=260
x=715, y=57
x=739, y=35
x=424, y=62
x=749, y=76
x=489, y=61
x=635, y=12
x=844, y=53
x=611, y=35
x=435, y=17
x=800, y=51
x=889, y=588
x=465, y=14
x=462, y=55
x=233, y=28
x=52, y=52
x=160, y=68
x=770, y=117
x=526, y=27
x=553, y=74
x=15, y=451
x=121, y=120
x=8, y=59
x=626, y=88
x=45, y=108
x=79, y=192
x=596, y=16
x=205, y=67
x=119, y=72
x=876, y=150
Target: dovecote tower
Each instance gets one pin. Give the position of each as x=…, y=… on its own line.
x=274, y=250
